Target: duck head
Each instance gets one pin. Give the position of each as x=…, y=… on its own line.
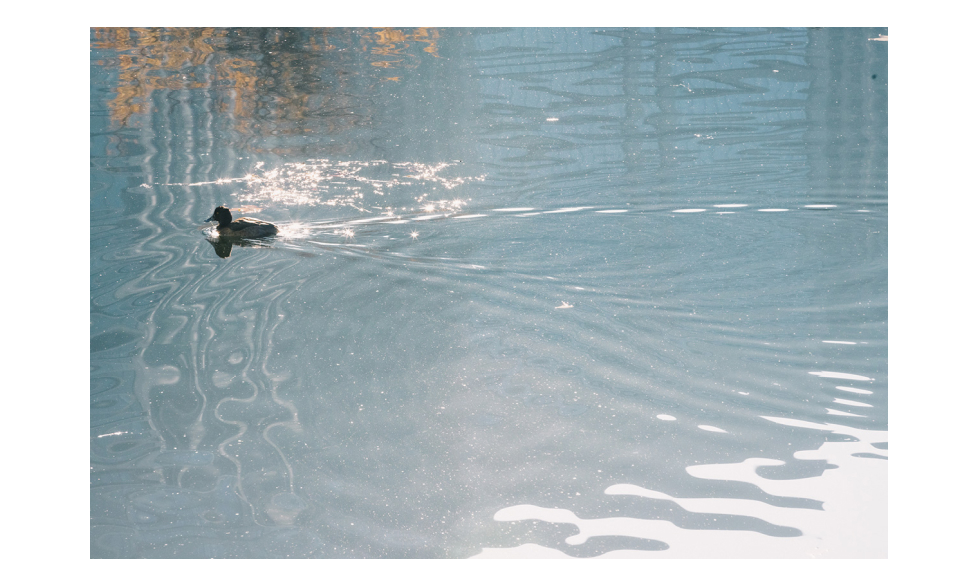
x=221, y=215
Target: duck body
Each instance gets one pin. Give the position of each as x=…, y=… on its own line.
x=242, y=227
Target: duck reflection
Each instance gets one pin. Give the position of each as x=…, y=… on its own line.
x=222, y=244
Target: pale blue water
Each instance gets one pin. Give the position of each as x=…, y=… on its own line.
x=516, y=270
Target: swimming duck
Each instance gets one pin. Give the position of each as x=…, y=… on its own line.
x=242, y=227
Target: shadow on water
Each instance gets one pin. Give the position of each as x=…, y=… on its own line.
x=223, y=245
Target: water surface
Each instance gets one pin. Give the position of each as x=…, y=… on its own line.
x=537, y=292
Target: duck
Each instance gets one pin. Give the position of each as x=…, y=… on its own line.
x=242, y=227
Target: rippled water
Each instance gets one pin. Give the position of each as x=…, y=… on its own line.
x=537, y=292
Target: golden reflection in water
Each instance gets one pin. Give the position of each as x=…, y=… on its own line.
x=144, y=56
x=242, y=71
x=393, y=45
